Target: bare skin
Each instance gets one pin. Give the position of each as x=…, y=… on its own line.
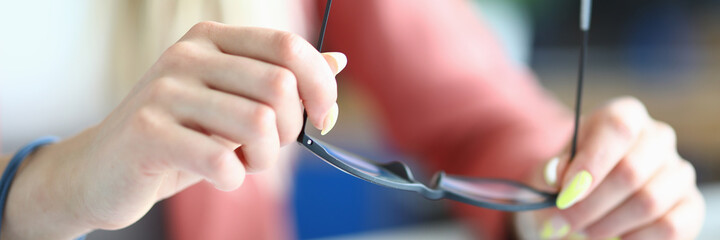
x=640, y=187
x=223, y=100
x=217, y=104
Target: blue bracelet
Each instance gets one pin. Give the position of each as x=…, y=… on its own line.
x=12, y=167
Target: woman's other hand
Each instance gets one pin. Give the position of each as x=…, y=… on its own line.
x=626, y=181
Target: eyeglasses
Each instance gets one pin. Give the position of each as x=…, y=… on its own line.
x=498, y=194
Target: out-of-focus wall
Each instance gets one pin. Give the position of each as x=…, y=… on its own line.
x=666, y=53
x=52, y=59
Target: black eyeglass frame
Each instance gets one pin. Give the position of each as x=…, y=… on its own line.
x=401, y=175
x=406, y=181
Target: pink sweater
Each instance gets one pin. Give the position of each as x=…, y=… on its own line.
x=446, y=93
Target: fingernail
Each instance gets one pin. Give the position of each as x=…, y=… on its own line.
x=547, y=231
x=551, y=172
x=577, y=187
x=577, y=236
x=340, y=60
x=330, y=119
x=555, y=228
x=615, y=238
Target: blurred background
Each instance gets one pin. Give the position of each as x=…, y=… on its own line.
x=665, y=52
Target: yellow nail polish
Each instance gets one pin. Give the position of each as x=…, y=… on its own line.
x=330, y=119
x=550, y=172
x=547, y=231
x=563, y=231
x=340, y=60
x=615, y=238
x=577, y=236
x=555, y=228
x=577, y=187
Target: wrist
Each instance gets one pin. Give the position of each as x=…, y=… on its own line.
x=43, y=202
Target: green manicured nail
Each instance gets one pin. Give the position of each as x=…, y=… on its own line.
x=578, y=186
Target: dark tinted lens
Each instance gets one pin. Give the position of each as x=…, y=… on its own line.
x=492, y=190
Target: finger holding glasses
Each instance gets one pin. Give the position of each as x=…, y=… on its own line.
x=627, y=180
x=217, y=104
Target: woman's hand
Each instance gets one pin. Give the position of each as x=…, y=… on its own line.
x=217, y=104
x=626, y=180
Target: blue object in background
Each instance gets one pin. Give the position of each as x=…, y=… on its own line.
x=659, y=44
x=328, y=202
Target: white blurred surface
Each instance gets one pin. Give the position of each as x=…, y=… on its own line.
x=52, y=81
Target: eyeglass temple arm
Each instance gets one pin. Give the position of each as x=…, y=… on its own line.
x=585, y=10
x=319, y=48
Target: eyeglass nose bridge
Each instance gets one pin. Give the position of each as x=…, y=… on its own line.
x=435, y=193
x=430, y=191
x=399, y=169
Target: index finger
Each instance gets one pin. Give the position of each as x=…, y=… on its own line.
x=315, y=80
x=611, y=133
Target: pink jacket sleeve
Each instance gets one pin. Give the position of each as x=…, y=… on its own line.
x=446, y=92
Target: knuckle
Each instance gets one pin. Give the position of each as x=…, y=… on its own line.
x=146, y=120
x=629, y=103
x=216, y=159
x=204, y=27
x=162, y=88
x=290, y=46
x=180, y=55
x=626, y=115
x=666, y=132
x=618, y=123
x=281, y=83
x=181, y=47
x=647, y=205
x=627, y=175
x=263, y=119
